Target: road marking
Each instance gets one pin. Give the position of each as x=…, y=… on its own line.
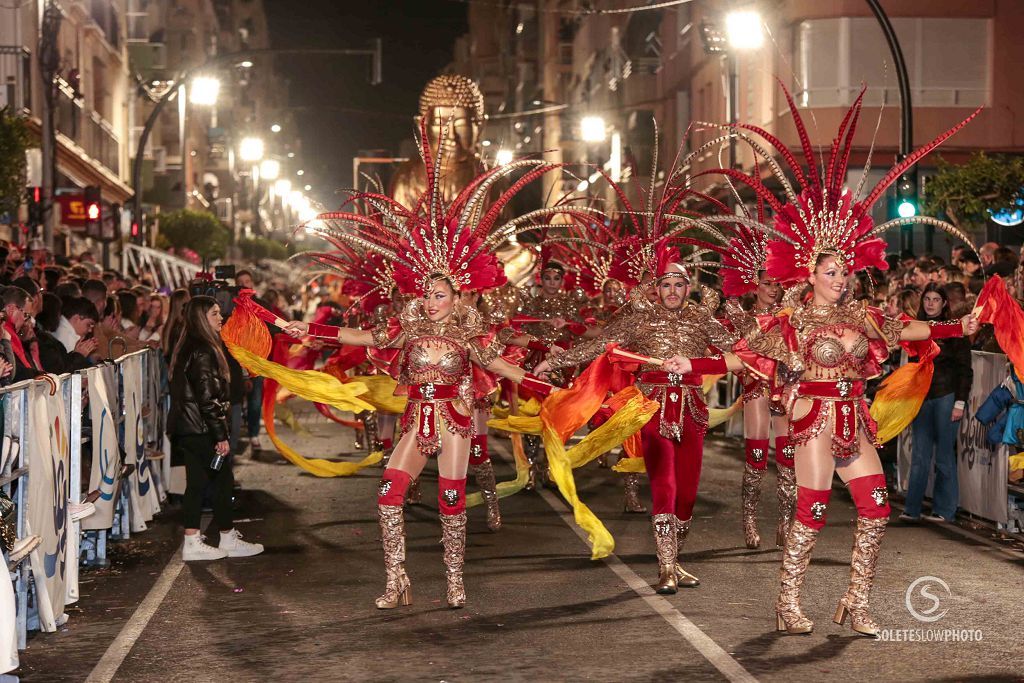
x=701, y=641
x=115, y=655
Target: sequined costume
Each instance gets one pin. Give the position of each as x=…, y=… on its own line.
x=823, y=229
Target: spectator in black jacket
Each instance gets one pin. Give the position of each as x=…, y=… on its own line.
x=936, y=425
x=198, y=426
x=14, y=301
x=53, y=353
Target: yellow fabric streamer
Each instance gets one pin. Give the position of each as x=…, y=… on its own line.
x=717, y=416
x=601, y=542
x=311, y=385
x=381, y=393
x=1017, y=462
x=517, y=424
x=507, y=488
x=627, y=420
x=630, y=466
x=319, y=467
x=529, y=408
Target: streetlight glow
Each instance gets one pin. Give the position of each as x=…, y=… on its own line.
x=300, y=172
x=275, y=128
x=204, y=91
x=282, y=187
x=504, y=156
x=592, y=129
x=744, y=29
x=295, y=198
x=270, y=169
x=307, y=188
x=251, y=149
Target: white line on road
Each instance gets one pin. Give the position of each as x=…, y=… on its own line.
x=701, y=641
x=115, y=655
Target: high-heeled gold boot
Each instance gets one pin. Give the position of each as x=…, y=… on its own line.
x=398, y=589
x=632, y=490
x=683, y=578
x=453, y=537
x=665, y=546
x=796, y=555
x=867, y=542
x=484, y=473
x=750, y=492
x=786, y=491
x=538, y=468
x=413, y=495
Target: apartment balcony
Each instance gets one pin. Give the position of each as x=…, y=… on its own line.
x=87, y=129
x=15, y=78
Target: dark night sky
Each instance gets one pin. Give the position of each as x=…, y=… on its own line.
x=418, y=38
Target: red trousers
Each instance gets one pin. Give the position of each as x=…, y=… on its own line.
x=673, y=467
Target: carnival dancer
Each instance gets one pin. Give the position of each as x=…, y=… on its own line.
x=831, y=346
x=436, y=250
x=673, y=440
x=763, y=410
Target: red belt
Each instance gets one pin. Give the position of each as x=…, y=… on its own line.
x=671, y=379
x=431, y=392
x=840, y=389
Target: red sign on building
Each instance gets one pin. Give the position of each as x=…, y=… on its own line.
x=72, y=209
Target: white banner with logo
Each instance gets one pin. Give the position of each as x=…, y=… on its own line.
x=106, y=457
x=49, y=456
x=981, y=469
x=145, y=499
x=10, y=457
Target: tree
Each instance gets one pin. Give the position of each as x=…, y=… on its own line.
x=14, y=140
x=969, y=194
x=200, y=231
x=256, y=248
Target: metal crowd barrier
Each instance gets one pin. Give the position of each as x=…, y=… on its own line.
x=19, y=438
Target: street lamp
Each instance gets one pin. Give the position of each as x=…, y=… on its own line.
x=744, y=29
x=270, y=169
x=504, y=156
x=251, y=149
x=592, y=129
x=204, y=91
x=275, y=128
x=282, y=187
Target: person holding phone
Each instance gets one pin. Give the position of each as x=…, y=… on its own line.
x=198, y=426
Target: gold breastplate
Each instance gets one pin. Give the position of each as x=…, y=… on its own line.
x=434, y=359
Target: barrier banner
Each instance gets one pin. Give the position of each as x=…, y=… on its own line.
x=106, y=457
x=10, y=452
x=981, y=469
x=49, y=456
x=145, y=500
x=154, y=420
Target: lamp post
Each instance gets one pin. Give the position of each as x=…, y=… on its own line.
x=744, y=30
x=242, y=58
x=250, y=151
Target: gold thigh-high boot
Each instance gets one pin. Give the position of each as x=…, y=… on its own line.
x=632, y=502
x=397, y=590
x=683, y=577
x=750, y=491
x=867, y=541
x=665, y=546
x=453, y=537
x=485, y=480
x=796, y=555
x=786, y=491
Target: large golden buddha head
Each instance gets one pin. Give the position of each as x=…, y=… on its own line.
x=453, y=108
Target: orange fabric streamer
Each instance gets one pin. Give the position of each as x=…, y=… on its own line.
x=902, y=393
x=999, y=309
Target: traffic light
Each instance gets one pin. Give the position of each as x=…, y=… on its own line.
x=93, y=212
x=906, y=195
x=35, y=205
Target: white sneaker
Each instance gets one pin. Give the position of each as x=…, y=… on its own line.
x=22, y=547
x=254, y=444
x=80, y=511
x=232, y=542
x=195, y=548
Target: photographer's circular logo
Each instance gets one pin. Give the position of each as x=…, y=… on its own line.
x=924, y=598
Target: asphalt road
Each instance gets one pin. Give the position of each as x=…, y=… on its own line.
x=539, y=609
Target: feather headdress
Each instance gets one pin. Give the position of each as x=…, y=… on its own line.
x=431, y=240
x=824, y=216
